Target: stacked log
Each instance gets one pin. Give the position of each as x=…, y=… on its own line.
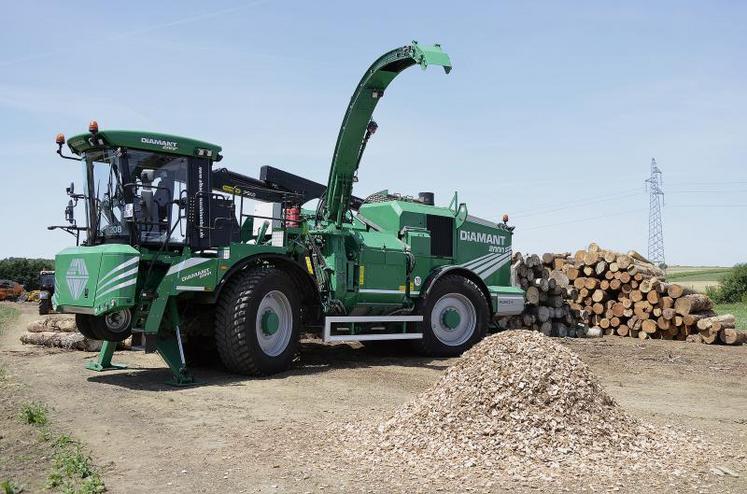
x=548, y=291
x=55, y=323
x=626, y=295
x=61, y=332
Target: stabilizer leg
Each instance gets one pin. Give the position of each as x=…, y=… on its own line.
x=169, y=347
x=104, y=361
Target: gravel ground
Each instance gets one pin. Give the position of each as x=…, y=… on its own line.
x=281, y=434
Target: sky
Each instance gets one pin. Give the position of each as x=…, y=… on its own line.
x=552, y=113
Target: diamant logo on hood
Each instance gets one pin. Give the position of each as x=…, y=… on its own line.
x=170, y=145
x=77, y=277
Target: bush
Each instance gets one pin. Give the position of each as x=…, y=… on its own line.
x=733, y=287
x=34, y=414
x=24, y=270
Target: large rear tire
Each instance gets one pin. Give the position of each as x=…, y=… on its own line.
x=257, y=322
x=455, y=317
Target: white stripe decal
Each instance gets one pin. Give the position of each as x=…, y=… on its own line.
x=473, y=261
x=128, y=262
x=189, y=263
x=486, y=267
x=494, y=269
x=117, y=287
x=477, y=262
x=119, y=277
x=488, y=262
x=377, y=290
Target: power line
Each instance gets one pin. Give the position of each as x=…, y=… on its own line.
x=726, y=206
x=705, y=191
x=575, y=204
x=580, y=220
x=575, y=201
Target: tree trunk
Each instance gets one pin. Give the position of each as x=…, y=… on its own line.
x=726, y=320
x=649, y=326
x=692, y=303
x=731, y=336
x=708, y=337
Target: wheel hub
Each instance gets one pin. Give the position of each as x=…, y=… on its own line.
x=270, y=322
x=118, y=321
x=451, y=318
x=274, y=323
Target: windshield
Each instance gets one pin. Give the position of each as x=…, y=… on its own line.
x=134, y=196
x=105, y=204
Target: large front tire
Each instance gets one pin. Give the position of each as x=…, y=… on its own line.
x=257, y=322
x=83, y=323
x=115, y=326
x=455, y=317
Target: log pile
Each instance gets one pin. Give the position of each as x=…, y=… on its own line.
x=625, y=295
x=61, y=332
x=69, y=341
x=56, y=324
x=548, y=292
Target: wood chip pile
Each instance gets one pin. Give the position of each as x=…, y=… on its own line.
x=520, y=405
x=548, y=292
x=61, y=332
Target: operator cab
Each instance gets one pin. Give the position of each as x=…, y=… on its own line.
x=148, y=189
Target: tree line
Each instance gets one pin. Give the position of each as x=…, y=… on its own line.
x=24, y=270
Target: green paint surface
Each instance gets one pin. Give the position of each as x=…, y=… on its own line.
x=135, y=139
x=451, y=318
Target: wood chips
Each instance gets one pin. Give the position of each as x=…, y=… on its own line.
x=518, y=405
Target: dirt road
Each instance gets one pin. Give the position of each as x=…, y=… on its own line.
x=233, y=434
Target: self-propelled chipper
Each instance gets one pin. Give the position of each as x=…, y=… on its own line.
x=189, y=257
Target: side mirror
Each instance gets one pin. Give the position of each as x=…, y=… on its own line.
x=461, y=215
x=69, y=214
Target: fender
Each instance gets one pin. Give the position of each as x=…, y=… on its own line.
x=309, y=290
x=440, y=271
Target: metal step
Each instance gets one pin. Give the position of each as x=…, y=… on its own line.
x=350, y=321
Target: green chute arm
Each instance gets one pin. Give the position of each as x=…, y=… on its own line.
x=357, y=125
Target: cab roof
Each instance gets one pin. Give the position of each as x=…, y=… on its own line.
x=147, y=141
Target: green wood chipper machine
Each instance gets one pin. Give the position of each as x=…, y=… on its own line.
x=190, y=258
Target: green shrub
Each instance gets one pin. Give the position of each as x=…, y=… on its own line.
x=10, y=487
x=72, y=471
x=733, y=288
x=34, y=413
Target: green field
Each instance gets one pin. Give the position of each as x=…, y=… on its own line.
x=739, y=310
x=690, y=273
x=697, y=277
